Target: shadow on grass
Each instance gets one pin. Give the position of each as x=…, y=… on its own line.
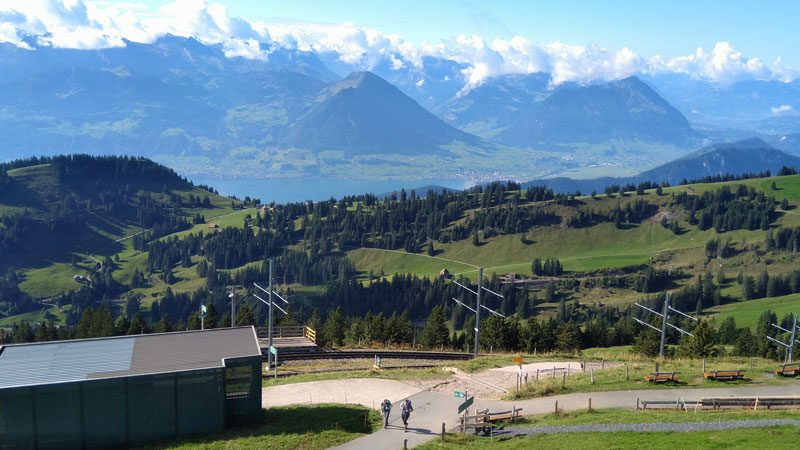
x=299, y=421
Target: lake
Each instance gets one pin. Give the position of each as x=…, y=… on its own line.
x=286, y=190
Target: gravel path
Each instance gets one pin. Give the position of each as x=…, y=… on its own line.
x=654, y=426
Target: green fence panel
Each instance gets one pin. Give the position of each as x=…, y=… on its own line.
x=57, y=415
x=151, y=408
x=104, y=407
x=16, y=419
x=242, y=390
x=201, y=401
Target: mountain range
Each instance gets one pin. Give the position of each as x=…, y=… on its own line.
x=188, y=105
x=743, y=157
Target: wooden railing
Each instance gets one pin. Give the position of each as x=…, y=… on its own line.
x=285, y=332
x=310, y=334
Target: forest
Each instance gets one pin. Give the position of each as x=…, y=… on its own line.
x=308, y=241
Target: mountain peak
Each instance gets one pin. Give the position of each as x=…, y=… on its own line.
x=365, y=114
x=744, y=144
x=363, y=79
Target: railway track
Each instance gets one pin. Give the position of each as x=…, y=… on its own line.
x=361, y=354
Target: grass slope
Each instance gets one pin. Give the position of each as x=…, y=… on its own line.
x=740, y=438
x=313, y=428
x=747, y=313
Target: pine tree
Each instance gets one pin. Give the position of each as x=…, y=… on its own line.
x=334, y=329
x=702, y=344
x=727, y=331
x=164, y=325
x=138, y=325
x=244, y=316
x=211, y=320
x=435, y=333
x=647, y=343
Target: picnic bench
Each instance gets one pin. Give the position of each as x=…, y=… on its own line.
x=724, y=375
x=662, y=377
x=505, y=415
x=788, y=370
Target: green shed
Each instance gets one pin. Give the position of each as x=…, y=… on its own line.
x=127, y=390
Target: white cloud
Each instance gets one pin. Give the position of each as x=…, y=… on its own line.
x=724, y=64
x=781, y=109
x=86, y=24
x=92, y=25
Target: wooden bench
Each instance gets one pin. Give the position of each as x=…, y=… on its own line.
x=662, y=377
x=510, y=415
x=788, y=370
x=724, y=375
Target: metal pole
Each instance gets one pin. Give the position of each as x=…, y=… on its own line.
x=233, y=307
x=664, y=326
x=478, y=311
x=269, y=320
x=202, y=320
x=794, y=336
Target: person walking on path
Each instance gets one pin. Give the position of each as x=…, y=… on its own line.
x=386, y=408
x=406, y=413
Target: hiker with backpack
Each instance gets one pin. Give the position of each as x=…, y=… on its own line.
x=386, y=408
x=407, y=409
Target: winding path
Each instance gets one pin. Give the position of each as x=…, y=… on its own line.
x=431, y=410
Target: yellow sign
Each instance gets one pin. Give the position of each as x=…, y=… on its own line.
x=518, y=360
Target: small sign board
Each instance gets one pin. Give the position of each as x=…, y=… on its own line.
x=460, y=394
x=518, y=361
x=466, y=404
x=273, y=350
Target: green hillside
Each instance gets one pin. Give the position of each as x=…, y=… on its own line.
x=606, y=246
x=747, y=313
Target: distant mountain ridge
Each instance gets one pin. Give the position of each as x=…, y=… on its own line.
x=627, y=109
x=364, y=114
x=747, y=156
x=298, y=113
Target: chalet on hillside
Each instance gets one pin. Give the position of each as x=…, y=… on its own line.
x=213, y=226
x=445, y=274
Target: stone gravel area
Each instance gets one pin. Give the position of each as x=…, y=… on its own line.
x=654, y=426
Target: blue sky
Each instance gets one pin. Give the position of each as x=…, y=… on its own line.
x=667, y=28
x=580, y=41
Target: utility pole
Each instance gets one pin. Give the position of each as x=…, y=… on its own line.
x=664, y=324
x=664, y=327
x=790, y=346
x=478, y=307
x=269, y=355
x=270, y=303
x=478, y=311
x=233, y=306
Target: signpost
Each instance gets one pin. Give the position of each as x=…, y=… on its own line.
x=460, y=394
x=203, y=315
x=518, y=361
x=467, y=403
x=274, y=351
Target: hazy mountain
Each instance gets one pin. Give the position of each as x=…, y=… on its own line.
x=746, y=104
x=627, y=109
x=789, y=143
x=364, y=114
x=492, y=106
x=747, y=156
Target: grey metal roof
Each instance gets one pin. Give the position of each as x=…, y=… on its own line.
x=58, y=362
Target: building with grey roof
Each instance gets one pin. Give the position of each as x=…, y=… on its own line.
x=119, y=391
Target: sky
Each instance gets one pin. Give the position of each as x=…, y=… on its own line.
x=763, y=29
x=579, y=40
